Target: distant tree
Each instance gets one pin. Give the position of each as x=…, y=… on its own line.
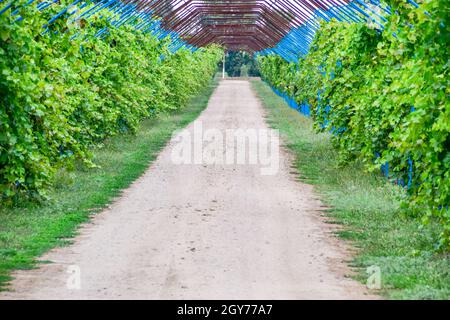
x=239, y=62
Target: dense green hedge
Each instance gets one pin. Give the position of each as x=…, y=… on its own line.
x=59, y=97
x=384, y=93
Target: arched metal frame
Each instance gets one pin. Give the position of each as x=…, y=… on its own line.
x=283, y=27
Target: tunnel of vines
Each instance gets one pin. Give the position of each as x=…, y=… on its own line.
x=374, y=74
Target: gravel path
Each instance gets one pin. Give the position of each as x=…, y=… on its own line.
x=197, y=231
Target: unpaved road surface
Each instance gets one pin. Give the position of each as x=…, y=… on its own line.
x=196, y=231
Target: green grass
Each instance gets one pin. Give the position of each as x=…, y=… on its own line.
x=30, y=230
x=368, y=209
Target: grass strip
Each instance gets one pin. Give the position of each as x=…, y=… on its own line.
x=368, y=208
x=29, y=230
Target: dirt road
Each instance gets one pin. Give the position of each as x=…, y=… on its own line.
x=198, y=231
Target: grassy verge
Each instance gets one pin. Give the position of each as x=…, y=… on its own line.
x=367, y=207
x=30, y=230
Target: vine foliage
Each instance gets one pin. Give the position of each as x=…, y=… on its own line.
x=62, y=96
x=385, y=98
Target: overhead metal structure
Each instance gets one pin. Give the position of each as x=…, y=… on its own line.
x=284, y=27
